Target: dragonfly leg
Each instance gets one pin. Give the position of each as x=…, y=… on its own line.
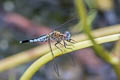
x=57, y=46
x=65, y=45
x=55, y=65
x=49, y=42
x=70, y=55
x=72, y=41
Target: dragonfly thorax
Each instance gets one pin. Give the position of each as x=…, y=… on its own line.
x=57, y=36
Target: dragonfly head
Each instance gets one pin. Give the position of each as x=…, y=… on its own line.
x=67, y=36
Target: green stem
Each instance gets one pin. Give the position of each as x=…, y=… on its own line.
x=117, y=70
x=99, y=50
x=48, y=57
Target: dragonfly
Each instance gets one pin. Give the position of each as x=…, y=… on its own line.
x=56, y=36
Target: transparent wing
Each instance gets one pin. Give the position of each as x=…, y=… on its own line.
x=66, y=24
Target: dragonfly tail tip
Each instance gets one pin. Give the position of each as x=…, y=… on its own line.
x=20, y=42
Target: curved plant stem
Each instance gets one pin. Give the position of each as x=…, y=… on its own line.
x=99, y=50
x=83, y=17
x=48, y=57
x=32, y=54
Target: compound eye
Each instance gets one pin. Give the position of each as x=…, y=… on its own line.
x=67, y=35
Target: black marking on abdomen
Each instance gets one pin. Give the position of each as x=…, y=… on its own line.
x=25, y=41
